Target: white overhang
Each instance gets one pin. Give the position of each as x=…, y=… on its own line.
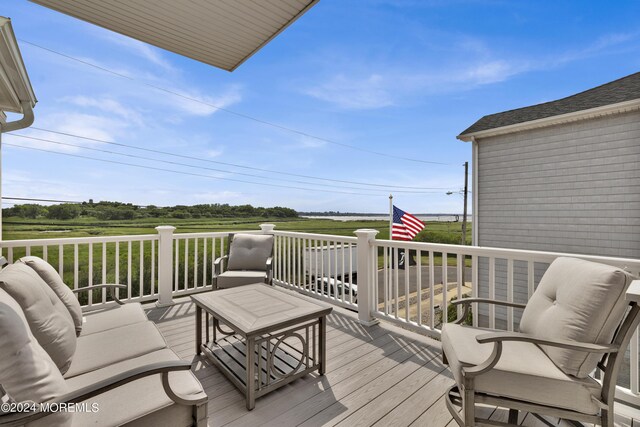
x=620, y=107
x=16, y=93
x=222, y=33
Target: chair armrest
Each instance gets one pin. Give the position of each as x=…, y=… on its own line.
x=570, y=345
x=217, y=264
x=269, y=264
x=115, y=381
x=633, y=292
x=487, y=301
x=110, y=286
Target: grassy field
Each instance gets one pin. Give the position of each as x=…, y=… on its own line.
x=21, y=228
x=140, y=278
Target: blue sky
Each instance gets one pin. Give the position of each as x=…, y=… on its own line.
x=401, y=77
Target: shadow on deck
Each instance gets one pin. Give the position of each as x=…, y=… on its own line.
x=380, y=375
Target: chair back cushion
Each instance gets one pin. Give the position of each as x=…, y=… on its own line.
x=576, y=300
x=250, y=252
x=53, y=279
x=26, y=370
x=48, y=319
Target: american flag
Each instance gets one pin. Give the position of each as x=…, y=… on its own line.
x=405, y=226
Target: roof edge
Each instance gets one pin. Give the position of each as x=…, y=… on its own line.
x=620, y=107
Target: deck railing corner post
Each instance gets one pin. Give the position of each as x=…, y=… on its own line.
x=267, y=228
x=165, y=265
x=366, y=281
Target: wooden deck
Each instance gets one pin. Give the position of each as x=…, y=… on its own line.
x=380, y=375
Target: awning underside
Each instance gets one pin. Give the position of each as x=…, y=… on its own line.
x=222, y=33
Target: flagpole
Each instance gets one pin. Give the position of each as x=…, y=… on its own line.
x=390, y=215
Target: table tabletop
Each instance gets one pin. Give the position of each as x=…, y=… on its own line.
x=259, y=308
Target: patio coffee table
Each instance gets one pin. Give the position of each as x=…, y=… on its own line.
x=274, y=336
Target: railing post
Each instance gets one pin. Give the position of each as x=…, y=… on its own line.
x=165, y=265
x=267, y=228
x=366, y=281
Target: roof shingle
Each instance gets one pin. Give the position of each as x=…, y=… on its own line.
x=621, y=90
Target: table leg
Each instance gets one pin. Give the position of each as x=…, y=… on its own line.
x=323, y=345
x=251, y=369
x=198, y=329
x=215, y=323
x=206, y=327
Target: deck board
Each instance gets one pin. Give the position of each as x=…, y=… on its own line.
x=380, y=375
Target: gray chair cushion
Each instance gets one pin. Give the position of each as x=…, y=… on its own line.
x=250, y=251
x=48, y=318
x=142, y=402
x=52, y=278
x=26, y=370
x=576, y=300
x=523, y=372
x=102, y=349
x=111, y=318
x=231, y=279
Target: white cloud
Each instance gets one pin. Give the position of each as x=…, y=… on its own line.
x=108, y=105
x=143, y=50
x=213, y=153
x=354, y=93
x=468, y=63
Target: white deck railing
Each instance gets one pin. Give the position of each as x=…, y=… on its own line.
x=359, y=273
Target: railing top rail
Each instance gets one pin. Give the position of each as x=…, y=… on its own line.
x=212, y=234
x=317, y=236
x=76, y=240
x=523, y=254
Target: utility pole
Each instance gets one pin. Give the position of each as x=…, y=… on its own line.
x=466, y=191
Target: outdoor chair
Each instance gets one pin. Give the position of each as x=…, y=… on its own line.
x=581, y=317
x=249, y=260
x=121, y=371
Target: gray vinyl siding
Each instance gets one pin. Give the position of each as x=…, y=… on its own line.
x=571, y=188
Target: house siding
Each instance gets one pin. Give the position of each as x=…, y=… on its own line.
x=567, y=188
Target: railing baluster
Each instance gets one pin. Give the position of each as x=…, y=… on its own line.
x=104, y=270
x=90, y=273
x=195, y=264
x=153, y=268
x=432, y=292
x=129, y=272
x=27, y=251
x=10, y=254
x=474, y=287
x=176, y=267
x=445, y=288
x=459, y=273
x=117, y=265
x=385, y=270
x=419, y=285
x=305, y=278
x=510, y=293
x=186, y=263
x=351, y=273
x=396, y=279
x=61, y=260
x=204, y=262
x=530, y=278
x=492, y=292
x=75, y=266
x=141, y=273
x=407, y=273
x=342, y=278
x=45, y=253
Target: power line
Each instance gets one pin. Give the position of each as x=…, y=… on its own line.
x=235, y=113
x=189, y=165
x=168, y=153
x=187, y=173
x=29, y=199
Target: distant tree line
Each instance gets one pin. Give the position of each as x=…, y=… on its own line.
x=124, y=211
